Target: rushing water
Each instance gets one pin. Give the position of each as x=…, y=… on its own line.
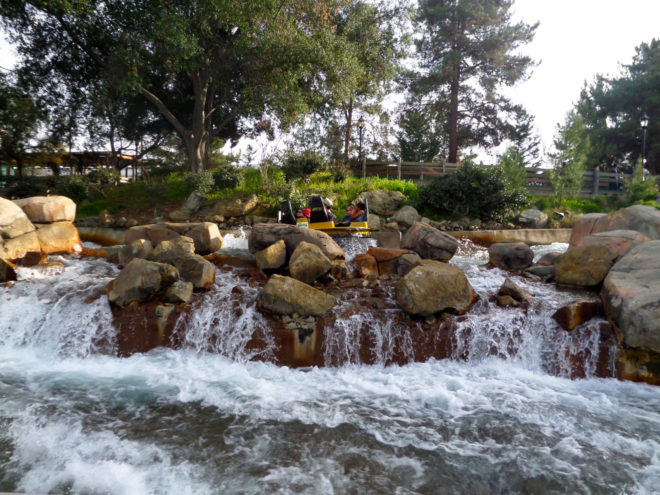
x=76, y=419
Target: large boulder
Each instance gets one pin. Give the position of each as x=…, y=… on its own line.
x=265, y=234
x=382, y=202
x=394, y=261
x=406, y=217
x=19, y=247
x=173, y=250
x=48, y=209
x=286, y=296
x=630, y=295
x=272, y=257
x=197, y=271
x=429, y=242
x=140, y=281
x=141, y=248
x=619, y=241
x=432, y=287
x=308, y=263
x=58, y=237
x=572, y=315
x=510, y=255
x=532, y=218
x=584, y=266
x=236, y=207
x=13, y=220
x=644, y=219
x=205, y=235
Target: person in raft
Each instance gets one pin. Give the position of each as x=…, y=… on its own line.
x=354, y=213
x=328, y=208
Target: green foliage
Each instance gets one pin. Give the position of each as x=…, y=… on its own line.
x=27, y=187
x=75, y=188
x=103, y=176
x=201, y=182
x=570, y=160
x=473, y=191
x=418, y=137
x=226, y=176
x=296, y=166
x=640, y=188
x=469, y=51
x=513, y=168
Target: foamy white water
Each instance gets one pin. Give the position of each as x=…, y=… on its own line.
x=75, y=419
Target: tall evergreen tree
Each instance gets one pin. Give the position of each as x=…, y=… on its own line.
x=468, y=51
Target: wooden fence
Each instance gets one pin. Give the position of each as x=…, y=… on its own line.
x=595, y=183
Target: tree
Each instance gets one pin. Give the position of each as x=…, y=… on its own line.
x=418, y=136
x=570, y=161
x=210, y=68
x=20, y=119
x=467, y=53
x=612, y=107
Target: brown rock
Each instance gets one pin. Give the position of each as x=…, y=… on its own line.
x=577, y=313
x=173, y=250
x=340, y=270
x=548, y=259
x=619, y=241
x=308, y=263
x=584, y=266
x=58, y=237
x=273, y=257
x=140, y=281
x=432, y=287
x=286, y=296
x=137, y=249
x=7, y=271
x=179, y=292
x=511, y=289
x=13, y=221
x=265, y=234
x=48, y=209
x=197, y=271
x=506, y=301
x=510, y=255
x=21, y=246
x=366, y=266
x=429, y=242
x=236, y=207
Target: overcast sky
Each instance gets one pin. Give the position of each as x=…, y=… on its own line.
x=576, y=40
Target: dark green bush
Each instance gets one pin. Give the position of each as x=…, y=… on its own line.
x=75, y=188
x=27, y=187
x=226, y=176
x=476, y=192
x=201, y=182
x=304, y=164
x=103, y=176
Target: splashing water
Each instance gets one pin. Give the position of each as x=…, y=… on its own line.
x=205, y=419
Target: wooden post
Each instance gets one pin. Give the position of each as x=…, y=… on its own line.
x=596, y=180
x=364, y=167
x=444, y=168
x=398, y=170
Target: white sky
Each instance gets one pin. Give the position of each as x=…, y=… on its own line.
x=576, y=40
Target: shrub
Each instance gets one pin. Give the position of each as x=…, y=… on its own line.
x=201, y=182
x=27, y=187
x=302, y=165
x=477, y=192
x=226, y=176
x=103, y=176
x=75, y=188
x=640, y=188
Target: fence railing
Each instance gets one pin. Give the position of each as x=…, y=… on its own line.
x=595, y=182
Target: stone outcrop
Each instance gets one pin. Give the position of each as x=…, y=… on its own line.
x=382, y=202
x=265, y=234
x=532, y=218
x=630, y=295
x=406, y=217
x=272, y=257
x=510, y=255
x=193, y=203
x=48, y=209
x=173, y=250
x=584, y=266
x=429, y=242
x=572, y=315
x=236, y=207
x=13, y=220
x=308, y=263
x=196, y=270
x=140, y=281
x=58, y=237
x=619, y=241
x=140, y=248
x=393, y=261
x=179, y=292
x=644, y=219
x=288, y=296
x=510, y=289
x=205, y=235
x=432, y=287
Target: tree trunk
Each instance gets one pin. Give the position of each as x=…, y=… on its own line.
x=348, y=114
x=453, y=113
